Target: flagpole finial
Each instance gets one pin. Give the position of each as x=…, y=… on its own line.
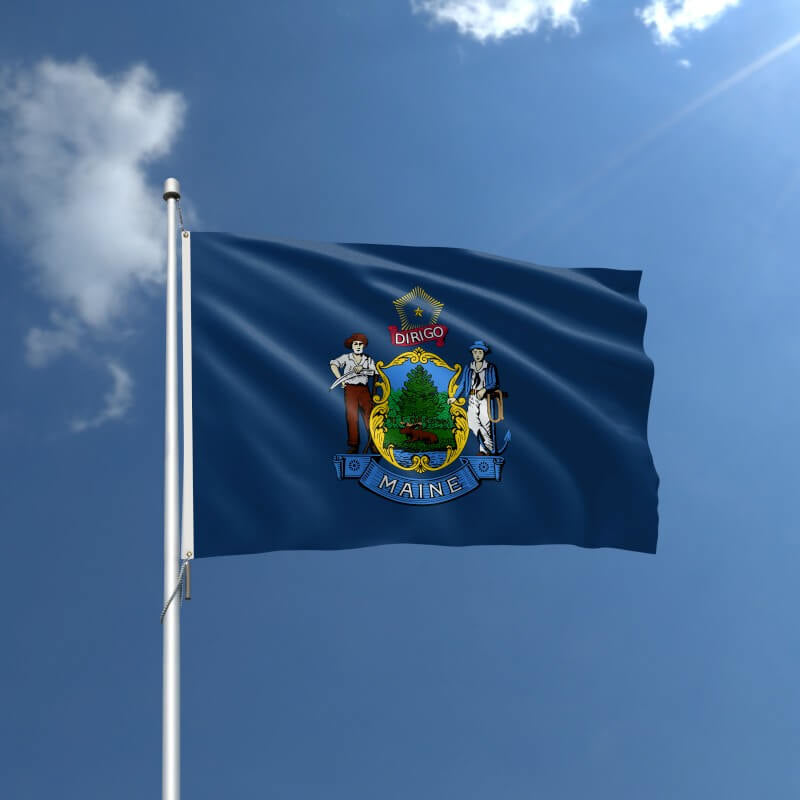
x=172, y=189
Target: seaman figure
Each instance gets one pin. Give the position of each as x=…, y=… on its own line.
x=478, y=380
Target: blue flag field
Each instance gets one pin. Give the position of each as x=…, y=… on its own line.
x=347, y=395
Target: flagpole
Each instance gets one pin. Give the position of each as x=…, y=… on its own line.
x=171, y=676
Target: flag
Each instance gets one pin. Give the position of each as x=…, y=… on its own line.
x=346, y=395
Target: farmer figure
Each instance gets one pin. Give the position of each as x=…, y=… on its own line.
x=477, y=380
x=354, y=370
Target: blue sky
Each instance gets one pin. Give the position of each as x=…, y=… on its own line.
x=660, y=136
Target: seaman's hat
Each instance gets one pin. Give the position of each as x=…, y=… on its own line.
x=356, y=337
x=479, y=344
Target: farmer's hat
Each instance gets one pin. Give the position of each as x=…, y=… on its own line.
x=355, y=337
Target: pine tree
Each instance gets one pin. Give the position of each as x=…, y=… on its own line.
x=419, y=400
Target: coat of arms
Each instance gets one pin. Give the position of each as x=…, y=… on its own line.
x=418, y=413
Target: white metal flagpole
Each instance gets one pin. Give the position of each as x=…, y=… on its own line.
x=171, y=685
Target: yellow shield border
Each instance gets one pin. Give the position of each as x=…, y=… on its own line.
x=377, y=420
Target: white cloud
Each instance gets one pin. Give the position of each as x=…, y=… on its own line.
x=494, y=19
x=116, y=402
x=685, y=63
x=43, y=345
x=74, y=193
x=668, y=18
x=72, y=182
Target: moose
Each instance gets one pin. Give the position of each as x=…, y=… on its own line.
x=414, y=433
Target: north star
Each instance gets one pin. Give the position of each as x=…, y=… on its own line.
x=424, y=489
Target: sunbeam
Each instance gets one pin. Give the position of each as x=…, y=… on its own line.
x=618, y=159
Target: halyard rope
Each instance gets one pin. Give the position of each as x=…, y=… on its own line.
x=175, y=591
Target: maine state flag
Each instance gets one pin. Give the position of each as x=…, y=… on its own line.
x=346, y=395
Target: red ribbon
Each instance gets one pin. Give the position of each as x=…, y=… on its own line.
x=413, y=337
